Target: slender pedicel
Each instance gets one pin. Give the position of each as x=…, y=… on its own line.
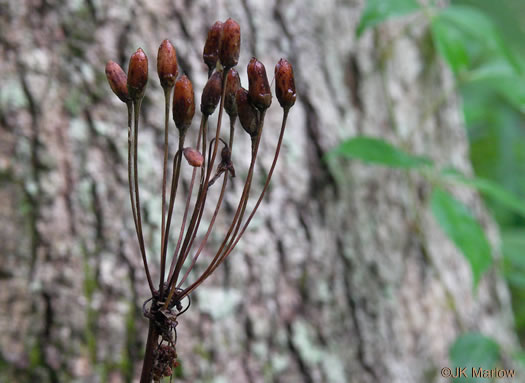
x=202, y=197
x=167, y=69
x=187, y=206
x=136, y=106
x=221, y=54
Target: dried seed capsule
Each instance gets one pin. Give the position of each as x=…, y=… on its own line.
x=211, y=94
x=193, y=157
x=247, y=113
x=210, y=53
x=230, y=43
x=232, y=86
x=183, y=103
x=167, y=66
x=137, y=74
x=117, y=80
x=226, y=155
x=259, y=91
x=285, y=84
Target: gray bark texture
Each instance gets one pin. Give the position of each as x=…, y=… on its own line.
x=344, y=275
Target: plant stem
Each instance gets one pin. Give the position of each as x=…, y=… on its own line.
x=151, y=343
x=202, y=133
x=167, y=93
x=201, y=200
x=279, y=144
x=136, y=107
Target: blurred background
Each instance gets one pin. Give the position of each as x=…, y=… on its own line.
x=392, y=240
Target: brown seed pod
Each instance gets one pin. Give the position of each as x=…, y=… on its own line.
x=193, y=157
x=211, y=94
x=230, y=43
x=247, y=113
x=137, y=74
x=285, y=84
x=183, y=103
x=232, y=86
x=259, y=91
x=167, y=66
x=226, y=155
x=117, y=81
x=210, y=53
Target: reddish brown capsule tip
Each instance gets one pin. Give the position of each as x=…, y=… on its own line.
x=183, y=103
x=247, y=113
x=211, y=94
x=210, y=54
x=233, y=84
x=230, y=43
x=117, y=80
x=193, y=157
x=167, y=66
x=285, y=84
x=259, y=91
x=137, y=74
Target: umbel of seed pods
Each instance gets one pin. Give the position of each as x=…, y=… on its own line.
x=223, y=89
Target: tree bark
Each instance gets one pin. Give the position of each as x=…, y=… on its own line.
x=344, y=276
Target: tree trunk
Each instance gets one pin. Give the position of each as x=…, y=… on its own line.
x=344, y=276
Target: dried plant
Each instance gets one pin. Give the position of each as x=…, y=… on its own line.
x=223, y=89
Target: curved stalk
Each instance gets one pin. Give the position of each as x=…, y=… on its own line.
x=136, y=107
x=167, y=93
x=268, y=179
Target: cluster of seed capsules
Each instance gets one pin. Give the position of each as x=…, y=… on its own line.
x=221, y=55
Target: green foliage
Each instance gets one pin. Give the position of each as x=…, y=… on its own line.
x=491, y=189
x=474, y=350
x=459, y=224
x=467, y=39
x=377, y=151
x=482, y=42
x=377, y=11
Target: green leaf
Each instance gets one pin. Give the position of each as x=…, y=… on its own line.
x=464, y=230
x=377, y=11
x=377, y=151
x=514, y=262
x=490, y=189
x=466, y=37
x=473, y=350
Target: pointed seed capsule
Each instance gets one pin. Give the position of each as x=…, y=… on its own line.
x=117, y=81
x=211, y=94
x=232, y=86
x=183, y=103
x=247, y=113
x=259, y=91
x=167, y=66
x=285, y=84
x=210, y=53
x=193, y=157
x=230, y=43
x=137, y=74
